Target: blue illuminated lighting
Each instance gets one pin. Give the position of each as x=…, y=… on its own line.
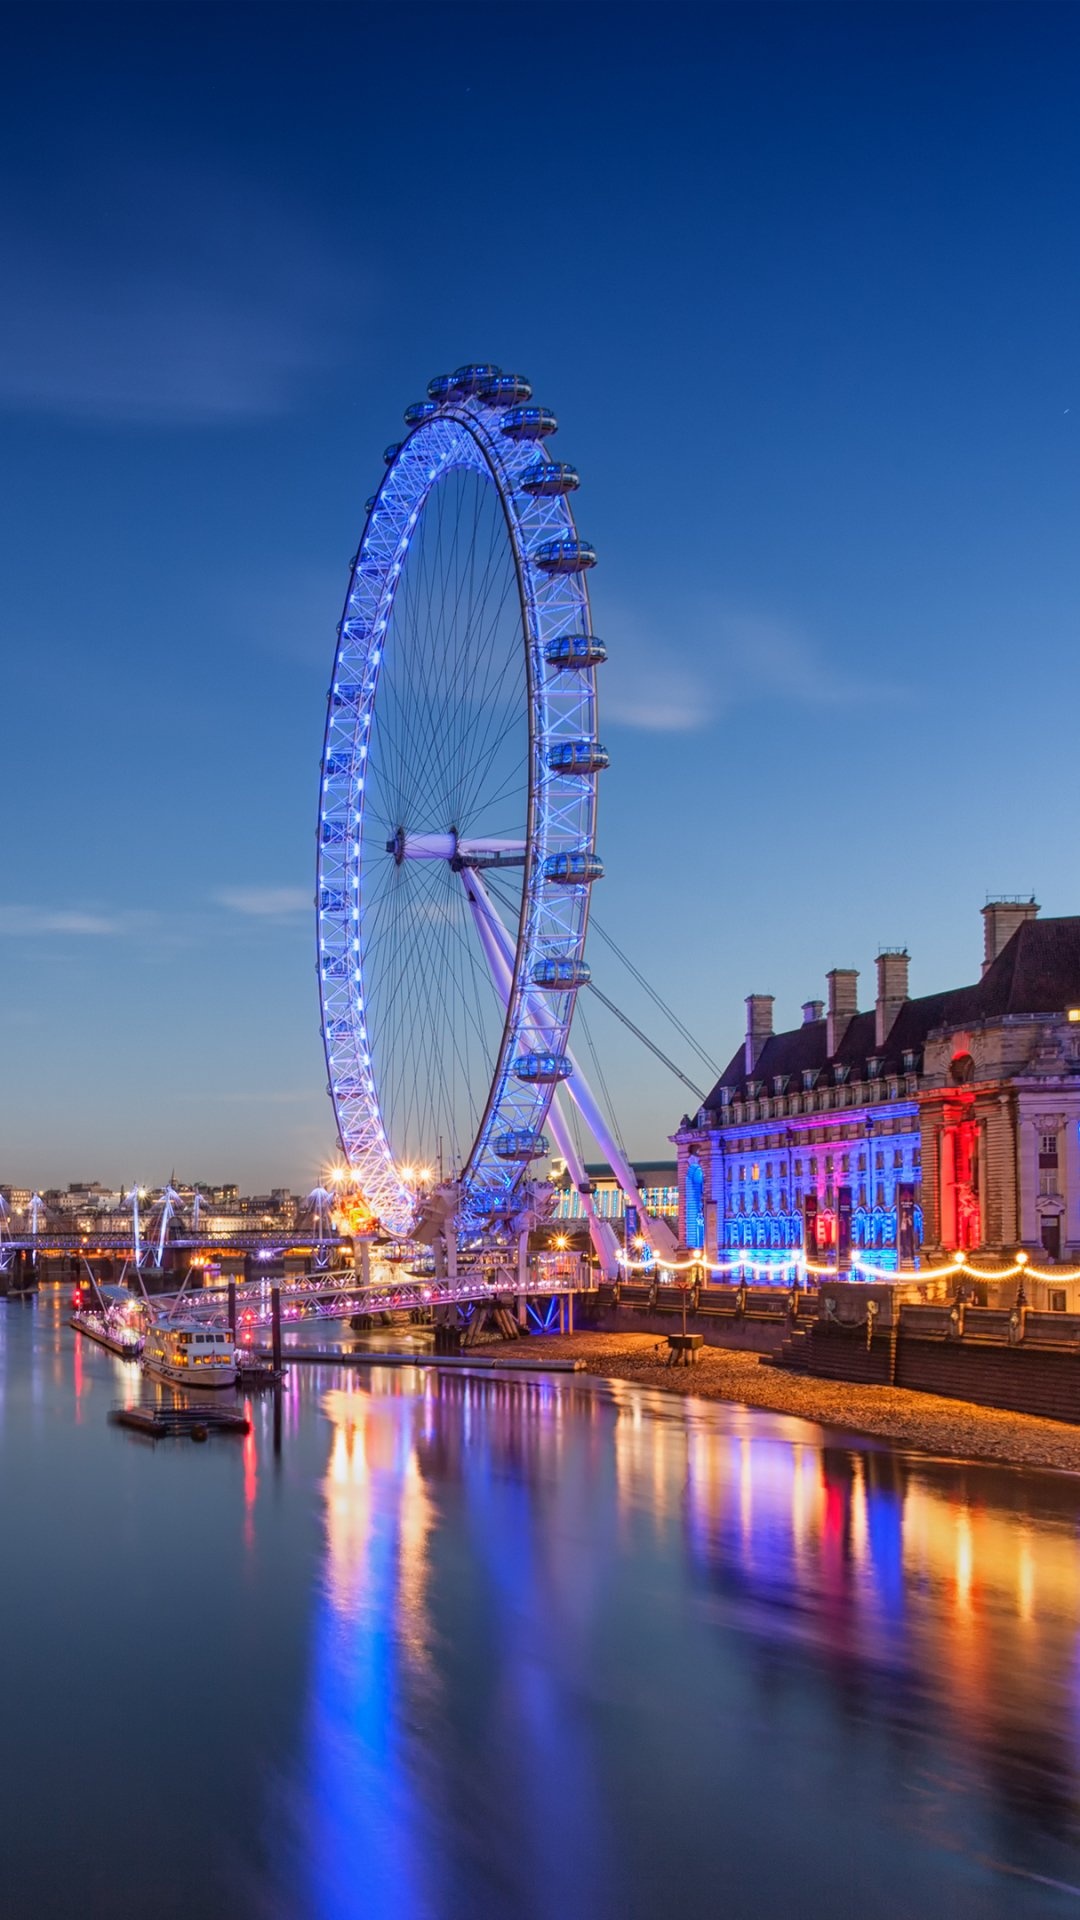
x=475, y=421
x=695, y=1204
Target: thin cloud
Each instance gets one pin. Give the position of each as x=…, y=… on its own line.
x=720, y=660
x=200, y=300
x=265, y=903
x=19, y=922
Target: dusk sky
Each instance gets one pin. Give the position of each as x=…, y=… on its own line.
x=801, y=284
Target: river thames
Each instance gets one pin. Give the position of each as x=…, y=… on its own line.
x=435, y=1646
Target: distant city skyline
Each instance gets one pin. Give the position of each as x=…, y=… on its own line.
x=800, y=283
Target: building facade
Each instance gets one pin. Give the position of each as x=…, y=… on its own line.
x=948, y=1122
x=657, y=1183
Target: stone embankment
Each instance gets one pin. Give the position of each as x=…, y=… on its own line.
x=921, y=1420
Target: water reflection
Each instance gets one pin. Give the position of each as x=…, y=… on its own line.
x=454, y=1648
x=546, y=1610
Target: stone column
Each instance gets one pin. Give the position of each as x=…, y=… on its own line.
x=947, y=1221
x=716, y=1189
x=1028, y=1157
x=682, y=1155
x=1070, y=1240
x=929, y=1196
x=1000, y=1226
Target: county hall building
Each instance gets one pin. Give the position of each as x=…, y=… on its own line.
x=947, y=1122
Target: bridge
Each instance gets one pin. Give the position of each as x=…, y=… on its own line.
x=342, y=1298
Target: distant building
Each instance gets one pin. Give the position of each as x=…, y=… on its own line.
x=657, y=1181
x=950, y=1121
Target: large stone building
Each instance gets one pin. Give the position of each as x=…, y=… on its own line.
x=946, y=1122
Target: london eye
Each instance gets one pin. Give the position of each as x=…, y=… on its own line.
x=457, y=811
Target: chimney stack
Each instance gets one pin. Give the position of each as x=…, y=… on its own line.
x=1000, y=921
x=812, y=1010
x=892, y=990
x=843, y=983
x=759, y=1008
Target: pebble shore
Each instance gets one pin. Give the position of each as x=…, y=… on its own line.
x=920, y=1420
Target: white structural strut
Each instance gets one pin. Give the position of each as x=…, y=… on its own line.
x=489, y=928
x=449, y=846
x=657, y=1232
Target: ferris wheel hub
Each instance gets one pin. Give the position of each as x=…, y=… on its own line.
x=455, y=848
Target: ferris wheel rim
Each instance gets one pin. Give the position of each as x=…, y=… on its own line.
x=463, y=432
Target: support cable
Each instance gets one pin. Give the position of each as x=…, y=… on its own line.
x=604, y=1088
x=645, y=1041
x=627, y=1022
x=595, y=927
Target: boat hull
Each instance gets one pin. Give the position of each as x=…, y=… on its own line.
x=90, y=1330
x=195, y=1380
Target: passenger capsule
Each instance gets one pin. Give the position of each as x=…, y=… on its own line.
x=339, y=1030
x=470, y=379
x=507, y=390
x=529, y=423
x=391, y=452
x=336, y=765
x=521, y=1144
x=561, y=974
x=368, y=504
x=346, y=696
x=334, y=833
x=545, y=1067
x=331, y=900
x=575, y=650
x=578, y=756
x=564, y=556
x=336, y=967
x=549, y=477
x=572, y=869
x=441, y=387
x=420, y=411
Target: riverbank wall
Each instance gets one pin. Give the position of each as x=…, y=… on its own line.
x=743, y=1319
x=1016, y=1360
x=891, y=1334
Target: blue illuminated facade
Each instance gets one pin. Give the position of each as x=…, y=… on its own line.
x=810, y=1139
x=953, y=1118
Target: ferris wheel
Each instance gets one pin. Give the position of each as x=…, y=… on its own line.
x=457, y=816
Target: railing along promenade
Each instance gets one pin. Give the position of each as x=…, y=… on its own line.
x=342, y=1294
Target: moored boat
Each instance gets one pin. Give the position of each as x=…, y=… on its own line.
x=188, y=1353
x=109, y=1330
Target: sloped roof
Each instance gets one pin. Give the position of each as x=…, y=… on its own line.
x=1037, y=971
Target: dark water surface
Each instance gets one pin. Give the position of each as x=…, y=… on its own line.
x=465, y=1648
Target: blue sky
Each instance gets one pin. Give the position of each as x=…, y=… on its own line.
x=801, y=284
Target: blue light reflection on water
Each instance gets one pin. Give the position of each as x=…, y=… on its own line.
x=463, y=1647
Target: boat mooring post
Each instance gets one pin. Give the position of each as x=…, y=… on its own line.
x=275, y=1328
x=232, y=1308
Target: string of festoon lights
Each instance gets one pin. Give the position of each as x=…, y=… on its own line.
x=796, y=1263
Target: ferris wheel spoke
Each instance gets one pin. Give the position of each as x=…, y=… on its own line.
x=462, y=688
x=485, y=651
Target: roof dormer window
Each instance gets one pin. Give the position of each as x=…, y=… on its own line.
x=809, y=1078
